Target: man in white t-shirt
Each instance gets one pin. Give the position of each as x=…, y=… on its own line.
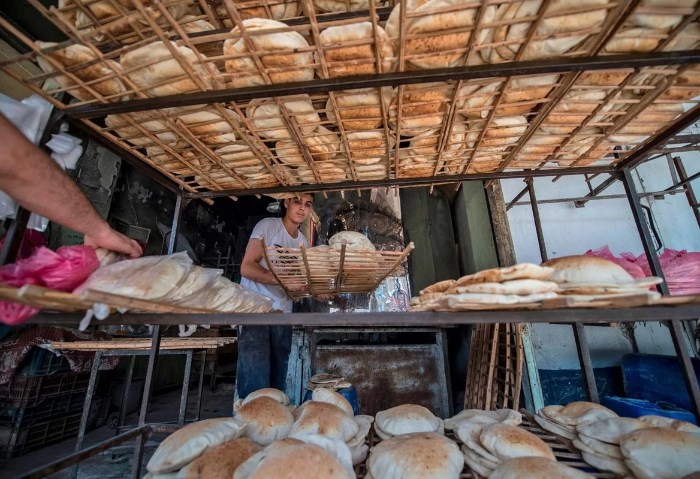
x=263, y=351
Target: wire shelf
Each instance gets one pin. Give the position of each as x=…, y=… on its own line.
x=118, y=51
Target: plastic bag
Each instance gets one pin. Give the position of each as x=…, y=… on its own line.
x=681, y=269
x=152, y=277
x=630, y=266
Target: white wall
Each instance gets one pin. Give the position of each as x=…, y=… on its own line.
x=569, y=230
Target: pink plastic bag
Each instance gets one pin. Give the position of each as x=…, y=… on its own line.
x=630, y=266
x=681, y=269
x=64, y=270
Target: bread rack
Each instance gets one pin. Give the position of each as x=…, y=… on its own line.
x=302, y=273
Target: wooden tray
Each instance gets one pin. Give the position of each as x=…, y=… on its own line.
x=303, y=272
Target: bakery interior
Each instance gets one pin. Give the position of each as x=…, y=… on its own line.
x=503, y=219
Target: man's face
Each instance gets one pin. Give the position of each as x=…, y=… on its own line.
x=298, y=209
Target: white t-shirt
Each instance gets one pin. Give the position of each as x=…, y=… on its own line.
x=274, y=233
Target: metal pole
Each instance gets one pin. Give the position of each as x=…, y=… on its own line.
x=516, y=198
x=584, y=356
x=86, y=408
x=201, y=383
x=153, y=355
x=685, y=181
x=536, y=216
x=185, y=387
x=13, y=239
x=675, y=326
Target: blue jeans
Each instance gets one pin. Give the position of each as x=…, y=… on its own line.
x=263, y=356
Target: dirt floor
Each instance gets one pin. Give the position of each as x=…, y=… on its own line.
x=163, y=408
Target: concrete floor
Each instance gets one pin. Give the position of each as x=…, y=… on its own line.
x=163, y=408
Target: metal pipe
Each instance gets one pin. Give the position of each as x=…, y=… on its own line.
x=127, y=386
x=514, y=201
x=685, y=181
x=385, y=319
x=185, y=388
x=86, y=408
x=596, y=191
x=675, y=326
x=534, y=67
x=536, y=216
x=584, y=356
x=77, y=457
x=401, y=182
x=198, y=407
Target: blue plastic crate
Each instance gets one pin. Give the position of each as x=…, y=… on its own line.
x=657, y=379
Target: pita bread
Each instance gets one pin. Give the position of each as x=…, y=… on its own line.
x=266, y=117
x=153, y=68
x=349, y=50
x=273, y=393
x=589, y=270
x=354, y=241
x=676, y=424
x=577, y=413
x=553, y=427
x=662, y=452
x=508, y=442
x=433, y=48
x=189, y=442
x=322, y=145
x=324, y=419
x=341, y=5
x=364, y=424
x=611, y=430
x=367, y=148
x=124, y=128
x=439, y=287
x=266, y=420
x=71, y=58
x=595, y=446
x=536, y=468
x=476, y=463
x=331, y=397
x=469, y=433
x=425, y=145
x=517, y=286
x=295, y=462
x=221, y=461
x=605, y=463
x=277, y=10
x=360, y=109
x=506, y=416
x=211, y=127
x=359, y=454
x=497, y=275
x=405, y=419
x=291, y=52
x=336, y=447
x=455, y=300
x=416, y=456
x=423, y=108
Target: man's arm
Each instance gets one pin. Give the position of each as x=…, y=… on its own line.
x=37, y=183
x=250, y=266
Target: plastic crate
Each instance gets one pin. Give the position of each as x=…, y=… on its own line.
x=49, y=408
x=41, y=362
x=17, y=441
x=28, y=391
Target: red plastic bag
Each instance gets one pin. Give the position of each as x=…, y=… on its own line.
x=635, y=270
x=64, y=270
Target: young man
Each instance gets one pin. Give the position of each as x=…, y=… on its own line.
x=263, y=351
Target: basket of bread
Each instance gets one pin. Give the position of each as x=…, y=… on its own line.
x=349, y=263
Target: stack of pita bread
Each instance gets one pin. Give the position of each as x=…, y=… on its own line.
x=589, y=277
x=641, y=447
x=520, y=284
x=491, y=437
x=563, y=420
x=536, y=468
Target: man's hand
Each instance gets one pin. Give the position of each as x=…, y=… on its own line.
x=114, y=241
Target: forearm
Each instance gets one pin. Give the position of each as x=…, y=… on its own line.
x=255, y=272
x=37, y=183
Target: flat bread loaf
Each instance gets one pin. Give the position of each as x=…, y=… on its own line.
x=405, y=419
x=221, y=461
x=587, y=269
x=273, y=393
x=266, y=420
x=422, y=455
x=354, y=241
x=517, y=286
x=189, y=442
x=536, y=468
x=267, y=118
x=660, y=452
x=331, y=397
x=353, y=48
x=508, y=442
x=497, y=275
x=324, y=419
x=295, y=462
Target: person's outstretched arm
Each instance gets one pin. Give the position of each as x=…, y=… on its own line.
x=37, y=183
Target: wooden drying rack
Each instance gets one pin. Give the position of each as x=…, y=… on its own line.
x=349, y=272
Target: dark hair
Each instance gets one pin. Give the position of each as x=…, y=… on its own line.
x=283, y=209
